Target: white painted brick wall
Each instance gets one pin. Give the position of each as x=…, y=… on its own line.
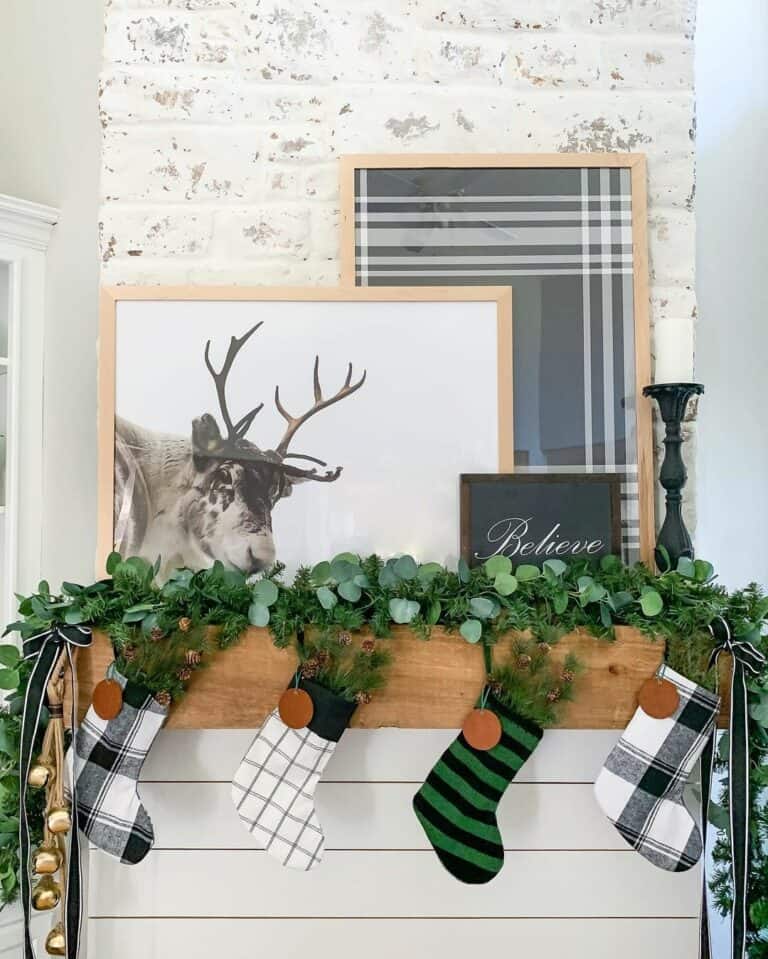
x=223, y=120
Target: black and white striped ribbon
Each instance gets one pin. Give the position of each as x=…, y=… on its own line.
x=44, y=649
x=747, y=660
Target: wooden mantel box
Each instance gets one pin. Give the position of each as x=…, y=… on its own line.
x=432, y=684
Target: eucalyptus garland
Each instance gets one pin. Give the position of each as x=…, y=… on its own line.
x=163, y=632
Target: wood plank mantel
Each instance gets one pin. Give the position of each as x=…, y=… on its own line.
x=431, y=684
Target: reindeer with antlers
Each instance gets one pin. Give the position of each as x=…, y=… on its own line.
x=192, y=501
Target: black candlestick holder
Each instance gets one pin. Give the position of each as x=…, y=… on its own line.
x=673, y=401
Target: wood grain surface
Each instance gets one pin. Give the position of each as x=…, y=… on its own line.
x=432, y=684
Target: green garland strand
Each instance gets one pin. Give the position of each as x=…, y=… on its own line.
x=161, y=634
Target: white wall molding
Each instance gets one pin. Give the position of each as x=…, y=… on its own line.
x=26, y=223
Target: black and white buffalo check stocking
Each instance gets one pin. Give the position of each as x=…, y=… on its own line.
x=274, y=786
x=640, y=787
x=108, y=758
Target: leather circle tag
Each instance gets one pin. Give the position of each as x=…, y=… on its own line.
x=658, y=698
x=482, y=729
x=107, y=699
x=296, y=708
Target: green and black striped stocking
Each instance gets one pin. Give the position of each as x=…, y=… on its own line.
x=457, y=804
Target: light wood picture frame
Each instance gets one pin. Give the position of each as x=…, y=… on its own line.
x=402, y=372
x=568, y=231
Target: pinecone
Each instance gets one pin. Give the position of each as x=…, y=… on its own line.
x=496, y=687
x=344, y=638
x=362, y=698
x=193, y=657
x=185, y=673
x=322, y=656
x=310, y=668
x=368, y=645
x=185, y=624
x=129, y=653
x=553, y=695
x=156, y=634
x=523, y=661
x=163, y=698
x=543, y=648
x=568, y=676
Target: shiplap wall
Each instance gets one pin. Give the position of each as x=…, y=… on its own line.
x=222, y=123
x=569, y=884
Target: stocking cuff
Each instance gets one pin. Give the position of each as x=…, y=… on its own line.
x=332, y=712
x=698, y=706
x=136, y=695
x=513, y=716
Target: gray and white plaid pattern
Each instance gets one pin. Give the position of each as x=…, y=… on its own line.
x=108, y=758
x=640, y=787
x=563, y=240
x=274, y=792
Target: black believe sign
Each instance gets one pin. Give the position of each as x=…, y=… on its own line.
x=533, y=517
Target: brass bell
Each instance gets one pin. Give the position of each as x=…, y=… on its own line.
x=59, y=819
x=46, y=860
x=40, y=774
x=46, y=894
x=55, y=942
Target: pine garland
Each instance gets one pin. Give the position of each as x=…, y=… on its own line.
x=162, y=633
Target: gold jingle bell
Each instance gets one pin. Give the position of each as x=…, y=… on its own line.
x=55, y=942
x=46, y=894
x=59, y=819
x=46, y=860
x=40, y=774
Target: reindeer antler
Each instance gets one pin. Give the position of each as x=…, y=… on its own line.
x=235, y=431
x=321, y=403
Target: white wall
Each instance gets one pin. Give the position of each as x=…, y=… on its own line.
x=50, y=55
x=732, y=267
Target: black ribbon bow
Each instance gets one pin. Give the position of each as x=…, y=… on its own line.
x=747, y=661
x=45, y=649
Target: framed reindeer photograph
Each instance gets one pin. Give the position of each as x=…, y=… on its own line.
x=261, y=425
x=568, y=232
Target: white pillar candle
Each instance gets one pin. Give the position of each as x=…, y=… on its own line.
x=673, y=351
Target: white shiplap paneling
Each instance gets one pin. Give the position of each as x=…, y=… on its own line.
x=569, y=883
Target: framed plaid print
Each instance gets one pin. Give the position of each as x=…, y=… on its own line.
x=568, y=233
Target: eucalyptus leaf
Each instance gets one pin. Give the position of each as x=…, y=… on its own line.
x=651, y=602
x=258, y=614
x=481, y=606
x=703, y=571
x=265, y=592
x=342, y=570
x=605, y=616
x=759, y=711
x=346, y=557
x=406, y=568
x=388, y=578
x=560, y=602
x=326, y=597
x=463, y=571
x=321, y=573
x=403, y=610
x=610, y=563
x=9, y=679
x=556, y=566
x=505, y=584
x=526, y=573
x=349, y=590
x=113, y=561
x=362, y=581
x=74, y=616
x=471, y=630
x=433, y=613
x=686, y=567
x=9, y=655
x=496, y=565
x=428, y=571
